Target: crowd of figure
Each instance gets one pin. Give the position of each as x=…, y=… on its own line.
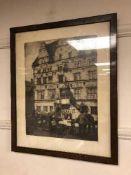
x=64, y=125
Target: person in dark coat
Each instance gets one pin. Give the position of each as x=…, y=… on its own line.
x=82, y=120
x=85, y=121
x=82, y=124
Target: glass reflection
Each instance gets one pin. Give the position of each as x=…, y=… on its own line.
x=90, y=43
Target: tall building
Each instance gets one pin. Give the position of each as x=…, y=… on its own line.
x=65, y=76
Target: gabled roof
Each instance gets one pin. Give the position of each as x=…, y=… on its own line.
x=35, y=63
x=50, y=48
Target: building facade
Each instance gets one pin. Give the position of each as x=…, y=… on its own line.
x=65, y=76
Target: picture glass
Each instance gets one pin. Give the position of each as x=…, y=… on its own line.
x=64, y=81
x=64, y=75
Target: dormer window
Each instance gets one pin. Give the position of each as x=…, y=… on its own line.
x=39, y=81
x=50, y=78
x=40, y=61
x=60, y=68
x=77, y=76
x=60, y=56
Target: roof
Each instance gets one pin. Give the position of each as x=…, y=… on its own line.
x=49, y=48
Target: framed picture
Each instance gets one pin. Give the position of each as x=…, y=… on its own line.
x=64, y=89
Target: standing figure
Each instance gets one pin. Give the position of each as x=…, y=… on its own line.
x=82, y=124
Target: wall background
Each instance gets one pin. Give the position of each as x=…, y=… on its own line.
x=17, y=13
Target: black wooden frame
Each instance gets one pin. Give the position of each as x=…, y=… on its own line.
x=112, y=18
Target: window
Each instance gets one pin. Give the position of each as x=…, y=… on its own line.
x=44, y=80
x=50, y=78
x=93, y=60
x=42, y=95
x=77, y=93
x=90, y=62
x=79, y=63
x=40, y=61
x=51, y=108
x=60, y=56
x=38, y=95
x=38, y=80
x=39, y=71
x=92, y=75
x=60, y=68
x=63, y=93
x=77, y=76
x=38, y=108
x=45, y=108
x=92, y=93
x=65, y=68
x=93, y=110
x=49, y=69
x=51, y=93
x=61, y=78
